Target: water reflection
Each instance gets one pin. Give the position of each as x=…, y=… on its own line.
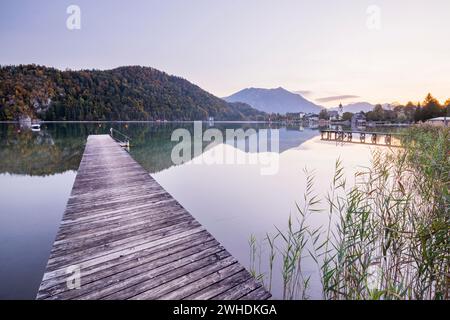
x=236, y=201
x=37, y=170
x=152, y=147
x=30, y=213
x=58, y=148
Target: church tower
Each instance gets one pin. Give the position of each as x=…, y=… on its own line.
x=340, y=111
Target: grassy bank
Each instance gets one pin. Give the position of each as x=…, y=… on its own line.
x=387, y=235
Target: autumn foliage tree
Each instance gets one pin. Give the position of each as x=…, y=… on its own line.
x=125, y=93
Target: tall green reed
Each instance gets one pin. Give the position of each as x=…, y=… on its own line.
x=387, y=235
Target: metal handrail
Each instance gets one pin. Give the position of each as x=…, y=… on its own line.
x=127, y=138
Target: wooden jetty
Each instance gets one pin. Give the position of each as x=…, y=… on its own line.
x=130, y=239
x=362, y=137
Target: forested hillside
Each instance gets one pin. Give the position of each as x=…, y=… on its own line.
x=125, y=93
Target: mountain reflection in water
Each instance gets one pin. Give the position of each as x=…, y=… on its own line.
x=38, y=168
x=58, y=147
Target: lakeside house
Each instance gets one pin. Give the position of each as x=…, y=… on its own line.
x=311, y=117
x=359, y=120
x=334, y=115
x=295, y=116
x=439, y=121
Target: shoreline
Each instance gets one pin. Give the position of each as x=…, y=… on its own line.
x=203, y=121
x=145, y=121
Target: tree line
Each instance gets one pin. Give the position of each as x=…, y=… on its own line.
x=408, y=113
x=125, y=93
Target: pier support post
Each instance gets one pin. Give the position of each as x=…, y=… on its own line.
x=388, y=139
x=374, y=138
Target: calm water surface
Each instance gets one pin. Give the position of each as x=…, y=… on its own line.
x=37, y=170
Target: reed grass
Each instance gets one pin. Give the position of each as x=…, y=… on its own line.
x=387, y=235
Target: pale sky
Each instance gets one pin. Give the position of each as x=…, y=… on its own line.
x=326, y=48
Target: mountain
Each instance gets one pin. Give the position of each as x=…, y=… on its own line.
x=125, y=93
x=274, y=100
x=357, y=107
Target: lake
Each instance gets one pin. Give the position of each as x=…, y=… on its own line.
x=233, y=201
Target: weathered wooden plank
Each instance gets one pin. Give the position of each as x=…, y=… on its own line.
x=122, y=228
x=219, y=283
x=97, y=215
x=93, y=272
x=130, y=250
x=132, y=240
x=110, y=223
x=127, y=272
x=169, y=282
x=153, y=279
x=67, y=257
x=209, y=286
x=235, y=293
x=257, y=294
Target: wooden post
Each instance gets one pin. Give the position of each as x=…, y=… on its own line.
x=362, y=138
x=387, y=139
x=374, y=138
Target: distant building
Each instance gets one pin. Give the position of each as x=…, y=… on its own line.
x=295, y=115
x=334, y=115
x=440, y=121
x=312, y=119
x=359, y=120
